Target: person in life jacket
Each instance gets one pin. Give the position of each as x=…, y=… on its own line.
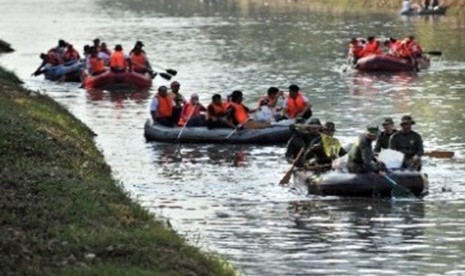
x=296, y=104
x=355, y=50
x=70, y=54
x=95, y=64
x=44, y=65
x=139, y=44
x=216, y=113
x=96, y=44
x=415, y=49
x=393, y=46
x=161, y=107
x=190, y=114
x=372, y=47
x=179, y=100
x=118, y=60
x=267, y=106
x=60, y=48
x=139, y=62
x=238, y=113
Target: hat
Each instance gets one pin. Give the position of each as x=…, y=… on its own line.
x=330, y=126
x=388, y=121
x=194, y=96
x=372, y=129
x=139, y=43
x=314, y=121
x=407, y=119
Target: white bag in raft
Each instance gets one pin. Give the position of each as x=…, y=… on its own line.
x=391, y=158
x=341, y=163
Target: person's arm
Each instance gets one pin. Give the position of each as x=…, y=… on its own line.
x=368, y=158
x=393, y=144
x=378, y=145
x=306, y=108
x=38, y=71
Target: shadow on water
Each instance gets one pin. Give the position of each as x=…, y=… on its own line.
x=137, y=96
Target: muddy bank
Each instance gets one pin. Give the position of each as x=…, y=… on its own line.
x=62, y=213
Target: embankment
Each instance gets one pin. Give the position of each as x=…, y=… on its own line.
x=61, y=211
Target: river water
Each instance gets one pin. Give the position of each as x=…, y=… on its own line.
x=226, y=198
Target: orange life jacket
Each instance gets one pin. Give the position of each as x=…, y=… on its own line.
x=188, y=112
x=218, y=110
x=97, y=65
x=165, y=107
x=295, y=106
x=404, y=51
x=138, y=62
x=117, y=60
x=71, y=55
x=356, y=49
x=240, y=113
x=372, y=48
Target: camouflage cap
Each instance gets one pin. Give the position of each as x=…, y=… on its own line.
x=373, y=129
x=388, y=121
x=314, y=121
x=330, y=126
x=407, y=119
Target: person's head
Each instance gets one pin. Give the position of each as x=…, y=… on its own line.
x=175, y=86
x=163, y=91
x=216, y=99
x=62, y=43
x=353, y=41
x=69, y=47
x=93, y=51
x=118, y=47
x=314, y=125
x=411, y=37
x=86, y=49
x=43, y=56
x=371, y=38
x=388, y=124
x=406, y=123
x=139, y=45
x=372, y=132
x=96, y=42
x=103, y=46
x=329, y=128
x=236, y=96
x=194, y=98
x=293, y=90
x=273, y=92
x=137, y=51
x=387, y=43
x=392, y=40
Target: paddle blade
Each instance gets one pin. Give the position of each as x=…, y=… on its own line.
x=398, y=191
x=434, y=53
x=286, y=178
x=171, y=72
x=440, y=154
x=165, y=76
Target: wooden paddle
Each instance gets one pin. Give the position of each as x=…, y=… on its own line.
x=288, y=174
x=152, y=73
x=439, y=154
x=236, y=128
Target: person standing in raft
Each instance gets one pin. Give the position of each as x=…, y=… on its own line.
x=409, y=143
x=190, y=114
x=361, y=156
x=118, y=60
x=383, y=139
x=305, y=137
x=238, y=113
x=179, y=100
x=161, y=108
x=296, y=105
x=139, y=62
x=355, y=50
x=216, y=113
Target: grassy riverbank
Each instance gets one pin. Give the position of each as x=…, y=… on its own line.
x=61, y=211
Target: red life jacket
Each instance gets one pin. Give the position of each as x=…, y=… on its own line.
x=118, y=60
x=372, y=48
x=240, y=113
x=295, y=106
x=165, y=107
x=188, y=112
x=138, y=62
x=97, y=65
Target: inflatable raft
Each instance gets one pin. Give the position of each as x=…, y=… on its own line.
x=435, y=11
x=118, y=81
x=387, y=63
x=344, y=184
x=273, y=135
x=69, y=72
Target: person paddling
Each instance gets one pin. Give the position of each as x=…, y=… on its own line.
x=118, y=60
x=409, y=143
x=190, y=114
x=304, y=138
x=296, y=104
x=178, y=98
x=216, y=113
x=95, y=64
x=161, y=107
x=238, y=113
x=361, y=156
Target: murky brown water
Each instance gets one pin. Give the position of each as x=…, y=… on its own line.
x=226, y=198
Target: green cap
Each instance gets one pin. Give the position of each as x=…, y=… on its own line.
x=388, y=121
x=407, y=119
x=371, y=129
x=314, y=121
x=329, y=126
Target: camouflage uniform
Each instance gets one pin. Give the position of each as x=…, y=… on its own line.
x=383, y=141
x=361, y=157
x=410, y=144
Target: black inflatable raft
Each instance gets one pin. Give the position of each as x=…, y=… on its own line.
x=272, y=135
x=361, y=185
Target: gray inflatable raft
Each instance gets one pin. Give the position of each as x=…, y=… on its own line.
x=273, y=135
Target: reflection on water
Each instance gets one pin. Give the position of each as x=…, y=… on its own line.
x=227, y=197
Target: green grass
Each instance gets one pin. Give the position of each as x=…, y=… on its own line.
x=61, y=211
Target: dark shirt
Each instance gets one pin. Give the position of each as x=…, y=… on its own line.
x=230, y=113
x=361, y=157
x=383, y=141
x=409, y=144
x=301, y=139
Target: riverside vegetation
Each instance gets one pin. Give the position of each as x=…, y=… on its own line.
x=61, y=210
